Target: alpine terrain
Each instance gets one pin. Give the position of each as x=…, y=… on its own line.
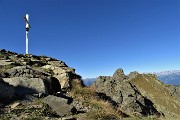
x=44, y=88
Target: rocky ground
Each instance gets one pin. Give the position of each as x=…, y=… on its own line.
x=40, y=87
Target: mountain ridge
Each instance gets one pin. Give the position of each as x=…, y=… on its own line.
x=168, y=76
x=167, y=72
x=41, y=87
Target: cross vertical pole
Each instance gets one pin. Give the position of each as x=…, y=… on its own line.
x=26, y=18
x=27, y=32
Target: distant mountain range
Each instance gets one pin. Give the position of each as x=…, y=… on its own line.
x=169, y=77
x=89, y=81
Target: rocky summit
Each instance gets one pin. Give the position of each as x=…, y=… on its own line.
x=125, y=94
x=44, y=88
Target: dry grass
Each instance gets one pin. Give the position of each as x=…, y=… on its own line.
x=99, y=109
x=158, y=93
x=103, y=110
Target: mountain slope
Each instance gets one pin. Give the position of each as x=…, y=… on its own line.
x=169, y=77
x=160, y=95
x=41, y=87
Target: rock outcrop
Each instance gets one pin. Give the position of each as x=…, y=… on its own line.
x=30, y=71
x=24, y=71
x=24, y=85
x=41, y=87
x=63, y=73
x=27, y=80
x=125, y=94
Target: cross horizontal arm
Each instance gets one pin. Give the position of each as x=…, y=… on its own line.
x=27, y=21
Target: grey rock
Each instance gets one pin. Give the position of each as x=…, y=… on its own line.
x=57, y=63
x=28, y=80
x=5, y=62
x=124, y=93
x=59, y=105
x=24, y=85
x=25, y=71
x=65, y=75
x=119, y=75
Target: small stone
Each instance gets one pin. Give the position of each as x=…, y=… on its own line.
x=14, y=105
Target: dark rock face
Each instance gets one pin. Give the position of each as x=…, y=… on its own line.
x=7, y=92
x=124, y=93
x=52, y=85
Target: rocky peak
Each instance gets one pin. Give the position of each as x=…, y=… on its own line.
x=119, y=74
x=133, y=74
x=124, y=94
x=29, y=77
x=42, y=74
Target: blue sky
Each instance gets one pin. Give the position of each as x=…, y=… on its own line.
x=96, y=36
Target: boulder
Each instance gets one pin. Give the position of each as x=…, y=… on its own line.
x=59, y=105
x=125, y=94
x=65, y=75
x=24, y=85
x=28, y=80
